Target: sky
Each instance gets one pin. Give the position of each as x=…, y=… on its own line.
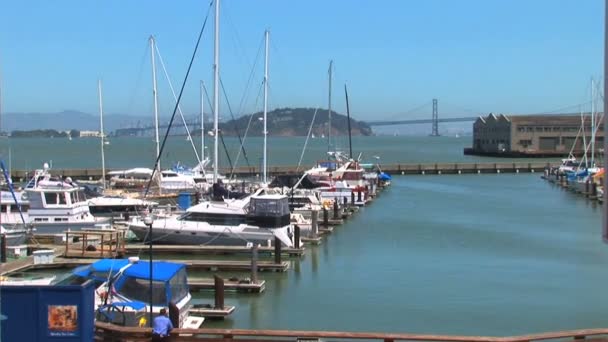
x=474, y=56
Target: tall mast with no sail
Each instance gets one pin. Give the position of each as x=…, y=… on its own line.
x=331, y=63
x=155, y=97
x=101, y=135
x=265, y=163
x=216, y=94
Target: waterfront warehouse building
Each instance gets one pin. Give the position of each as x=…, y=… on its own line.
x=544, y=135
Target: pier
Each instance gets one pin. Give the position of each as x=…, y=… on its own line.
x=392, y=168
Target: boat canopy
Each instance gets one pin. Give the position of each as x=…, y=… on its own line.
x=100, y=270
x=161, y=270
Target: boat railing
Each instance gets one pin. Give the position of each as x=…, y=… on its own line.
x=111, y=332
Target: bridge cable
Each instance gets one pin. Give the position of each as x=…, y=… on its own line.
x=181, y=92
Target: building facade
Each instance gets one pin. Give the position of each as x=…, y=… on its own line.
x=534, y=135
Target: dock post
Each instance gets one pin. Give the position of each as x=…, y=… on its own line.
x=314, y=223
x=296, y=236
x=359, y=196
x=594, y=191
x=587, y=188
x=254, y=264
x=345, y=202
x=219, y=292
x=277, y=250
x=3, y=248
x=336, y=209
x=352, y=198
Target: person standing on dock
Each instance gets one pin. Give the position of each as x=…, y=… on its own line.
x=162, y=327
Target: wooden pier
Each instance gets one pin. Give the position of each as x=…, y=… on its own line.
x=199, y=284
x=392, y=168
x=212, y=250
x=110, y=332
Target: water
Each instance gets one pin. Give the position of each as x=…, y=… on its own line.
x=461, y=254
x=127, y=152
x=451, y=254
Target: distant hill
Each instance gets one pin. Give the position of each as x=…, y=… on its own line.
x=67, y=120
x=281, y=122
x=295, y=122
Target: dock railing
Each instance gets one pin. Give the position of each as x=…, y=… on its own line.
x=110, y=332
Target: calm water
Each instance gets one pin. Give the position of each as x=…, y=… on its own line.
x=129, y=152
x=469, y=254
x=458, y=254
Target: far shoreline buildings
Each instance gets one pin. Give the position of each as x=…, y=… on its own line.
x=546, y=135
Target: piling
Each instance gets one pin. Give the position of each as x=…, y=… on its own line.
x=314, y=223
x=336, y=209
x=254, y=264
x=277, y=250
x=3, y=248
x=296, y=236
x=359, y=196
x=587, y=188
x=219, y=292
x=352, y=198
x=594, y=191
x=345, y=202
x=325, y=217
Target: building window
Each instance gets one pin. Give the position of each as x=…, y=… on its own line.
x=521, y=128
x=556, y=129
x=539, y=129
x=530, y=129
x=547, y=129
x=525, y=143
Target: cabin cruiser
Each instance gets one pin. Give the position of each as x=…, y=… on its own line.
x=135, y=178
x=116, y=206
x=123, y=291
x=251, y=218
x=171, y=180
x=9, y=208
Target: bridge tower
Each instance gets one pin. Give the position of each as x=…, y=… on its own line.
x=435, y=123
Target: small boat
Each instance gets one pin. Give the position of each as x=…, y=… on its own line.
x=123, y=291
x=14, y=236
x=25, y=280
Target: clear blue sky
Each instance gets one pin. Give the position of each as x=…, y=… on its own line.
x=506, y=56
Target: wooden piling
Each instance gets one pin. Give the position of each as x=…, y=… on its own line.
x=359, y=196
x=587, y=188
x=277, y=250
x=3, y=248
x=296, y=236
x=594, y=191
x=314, y=229
x=325, y=217
x=254, y=264
x=219, y=292
x=345, y=202
x=352, y=198
x=336, y=209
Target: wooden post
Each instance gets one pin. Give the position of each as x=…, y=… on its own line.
x=101, y=244
x=296, y=236
x=314, y=223
x=345, y=202
x=325, y=217
x=352, y=198
x=254, y=264
x=587, y=188
x=3, y=248
x=336, y=208
x=359, y=196
x=67, y=245
x=277, y=250
x=219, y=292
x=594, y=190
x=84, y=242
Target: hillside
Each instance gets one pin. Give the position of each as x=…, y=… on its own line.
x=295, y=122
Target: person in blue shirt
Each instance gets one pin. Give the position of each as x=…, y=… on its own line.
x=162, y=327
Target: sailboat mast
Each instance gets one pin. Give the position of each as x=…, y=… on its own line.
x=265, y=161
x=605, y=122
x=202, y=120
x=331, y=63
x=101, y=135
x=216, y=94
x=592, y=124
x=350, y=142
x=155, y=96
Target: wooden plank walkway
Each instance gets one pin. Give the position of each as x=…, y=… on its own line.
x=212, y=250
x=191, y=265
x=198, y=284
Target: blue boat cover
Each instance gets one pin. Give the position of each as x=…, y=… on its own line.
x=101, y=266
x=384, y=176
x=161, y=270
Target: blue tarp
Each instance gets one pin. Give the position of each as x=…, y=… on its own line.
x=161, y=270
x=384, y=176
x=101, y=266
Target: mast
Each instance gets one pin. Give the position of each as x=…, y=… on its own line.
x=155, y=96
x=592, y=124
x=202, y=121
x=101, y=135
x=350, y=142
x=216, y=93
x=605, y=216
x=331, y=63
x=265, y=162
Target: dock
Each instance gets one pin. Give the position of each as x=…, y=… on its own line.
x=243, y=285
x=392, y=168
x=212, y=250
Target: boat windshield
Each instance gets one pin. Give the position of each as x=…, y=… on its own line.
x=269, y=206
x=139, y=290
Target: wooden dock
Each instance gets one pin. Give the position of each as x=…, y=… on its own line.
x=212, y=250
x=200, y=284
x=392, y=168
